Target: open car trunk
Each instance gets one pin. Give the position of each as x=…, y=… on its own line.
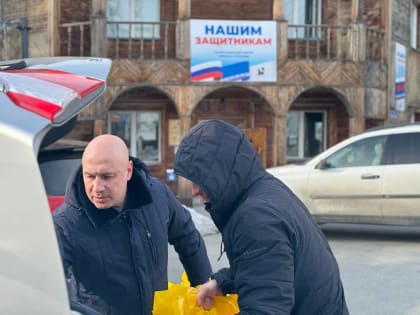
x=39, y=102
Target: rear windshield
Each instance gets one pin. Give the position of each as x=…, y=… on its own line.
x=55, y=174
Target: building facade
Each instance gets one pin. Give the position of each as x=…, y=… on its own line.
x=337, y=67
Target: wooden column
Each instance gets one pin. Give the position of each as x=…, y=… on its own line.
x=357, y=118
x=279, y=151
x=358, y=42
x=54, y=27
x=98, y=29
x=99, y=7
x=184, y=9
x=356, y=125
x=282, y=42
x=278, y=10
x=98, y=127
x=183, y=39
x=356, y=10
x=183, y=30
x=184, y=185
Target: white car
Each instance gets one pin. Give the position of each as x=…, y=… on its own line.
x=371, y=178
x=39, y=101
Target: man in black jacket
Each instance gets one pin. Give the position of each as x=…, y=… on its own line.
x=114, y=228
x=280, y=261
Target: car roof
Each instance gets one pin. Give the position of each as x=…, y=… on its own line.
x=396, y=128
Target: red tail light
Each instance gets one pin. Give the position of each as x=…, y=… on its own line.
x=81, y=85
x=35, y=105
x=46, y=92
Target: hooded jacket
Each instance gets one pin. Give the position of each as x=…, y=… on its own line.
x=118, y=259
x=280, y=261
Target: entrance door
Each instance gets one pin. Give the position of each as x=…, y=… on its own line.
x=305, y=134
x=257, y=136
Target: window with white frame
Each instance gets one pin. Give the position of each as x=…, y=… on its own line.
x=141, y=132
x=305, y=13
x=306, y=134
x=413, y=26
x=133, y=19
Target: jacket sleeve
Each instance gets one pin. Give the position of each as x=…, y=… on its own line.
x=188, y=242
x=263, y=257
x=225, y=281
x=66, y=257
x=65, y=248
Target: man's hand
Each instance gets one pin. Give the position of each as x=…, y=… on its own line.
x=206, y=294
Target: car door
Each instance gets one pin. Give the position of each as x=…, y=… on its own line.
x=401, y=187
x=348, y=183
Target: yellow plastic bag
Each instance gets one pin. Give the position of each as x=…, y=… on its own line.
x=180, y=299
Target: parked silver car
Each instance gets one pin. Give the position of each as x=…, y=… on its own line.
x=39, y=101
x=369, y=178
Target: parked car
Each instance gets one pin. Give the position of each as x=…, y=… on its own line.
x=369, y=178
x=39, y=102
x=57, y=162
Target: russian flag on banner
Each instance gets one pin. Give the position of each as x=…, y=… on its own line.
x=236, y=72
x=399, y=89
x=207, y=71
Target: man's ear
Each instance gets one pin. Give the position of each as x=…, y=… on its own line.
x=129, y=170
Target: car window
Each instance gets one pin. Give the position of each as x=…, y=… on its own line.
x=55, y=174
x=404, y=148
x=366, y=152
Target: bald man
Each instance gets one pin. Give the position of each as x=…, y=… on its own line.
x=114, y=227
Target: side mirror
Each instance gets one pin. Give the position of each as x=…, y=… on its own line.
x=323, y=165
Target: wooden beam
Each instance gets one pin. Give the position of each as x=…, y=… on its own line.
x=356, y=10
x=53, y=27
x=99, y=7
x=184, y=9
x=278, y=10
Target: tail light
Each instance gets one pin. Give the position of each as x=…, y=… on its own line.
x=47, y=92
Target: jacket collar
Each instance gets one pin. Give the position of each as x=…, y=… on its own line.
x=138, y=195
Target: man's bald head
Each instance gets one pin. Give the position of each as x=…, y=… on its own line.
x=107, y=147
x=106, y=170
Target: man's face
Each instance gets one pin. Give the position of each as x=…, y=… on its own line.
x=105, y=181
x=198, y=191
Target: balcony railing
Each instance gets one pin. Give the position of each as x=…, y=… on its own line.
x=157, y=40
x=333, y=42
x=141, y=40
x=133, y=40
x=75, y=39
x=375, y=45
x=330, y=42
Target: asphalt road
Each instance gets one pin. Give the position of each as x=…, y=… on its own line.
x=380, y=266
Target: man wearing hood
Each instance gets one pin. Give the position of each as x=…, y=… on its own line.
x=280, y=261
x=114, y=227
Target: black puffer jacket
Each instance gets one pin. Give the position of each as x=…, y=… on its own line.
x=280, y=261
x=119, y=259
